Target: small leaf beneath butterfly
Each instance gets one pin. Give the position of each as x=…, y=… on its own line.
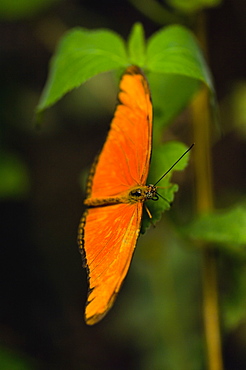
x=163, y=158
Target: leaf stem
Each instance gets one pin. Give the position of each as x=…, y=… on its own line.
x=204, y=204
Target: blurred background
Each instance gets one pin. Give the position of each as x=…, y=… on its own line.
x=156, y=322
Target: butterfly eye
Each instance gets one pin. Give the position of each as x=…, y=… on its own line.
x=150, y=193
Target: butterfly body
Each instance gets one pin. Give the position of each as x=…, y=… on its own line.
x=138, y=193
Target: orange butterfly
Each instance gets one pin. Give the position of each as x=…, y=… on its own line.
x=116, y=191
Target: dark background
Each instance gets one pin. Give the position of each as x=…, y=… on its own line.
x=43, y=284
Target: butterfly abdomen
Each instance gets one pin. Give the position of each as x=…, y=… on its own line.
x=100, y=202
x=138, y=193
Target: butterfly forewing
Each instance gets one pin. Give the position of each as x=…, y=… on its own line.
x=124, y=160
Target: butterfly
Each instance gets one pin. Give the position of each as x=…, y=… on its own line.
x=116, y=192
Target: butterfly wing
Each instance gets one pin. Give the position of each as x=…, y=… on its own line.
x=125, y=157
x=108, y=234
x=112, y=233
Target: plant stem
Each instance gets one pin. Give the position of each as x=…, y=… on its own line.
x=204, y=204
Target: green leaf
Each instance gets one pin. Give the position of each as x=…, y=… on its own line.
x=174, y=50
x=81, y=55
x=164, y=156
x=226, y=228
x=172, y=57
x=233, y=297
x=19, y=9
x=14, y=361
x=15, y=182
x=191, y=6
x=170, y=95
x=136, y=45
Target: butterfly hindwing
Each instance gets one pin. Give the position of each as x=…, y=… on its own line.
x=112, y=237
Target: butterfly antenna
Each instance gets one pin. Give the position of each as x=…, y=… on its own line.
x=159, y=195
x=174, y=164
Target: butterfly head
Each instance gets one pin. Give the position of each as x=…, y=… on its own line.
x=143, y=193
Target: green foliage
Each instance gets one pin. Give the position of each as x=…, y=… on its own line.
x=83, y=54
x=166, y=105
x=191, y=6
x=14, y=176
x=174, y=50
x=136, y=45
x=158, y=312
x=233, y=298
x=18, y=9
x=172, y=59
x=10, y=360
x=163, y=293
x=163, y=158
x=226, y=228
